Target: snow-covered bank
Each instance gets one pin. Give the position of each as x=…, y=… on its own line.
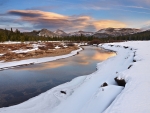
x=85, y=94
x=135, y=96
x=5, y=65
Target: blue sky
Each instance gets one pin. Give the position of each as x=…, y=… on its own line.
x=89, y=15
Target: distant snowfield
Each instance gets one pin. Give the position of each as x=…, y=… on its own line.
x=85, y=95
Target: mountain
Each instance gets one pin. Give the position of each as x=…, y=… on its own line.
x=60, y=33
x=103, y=33
x=113, y=32
x=43, y=32
x=146, y=28
x=79, y=33
x=47, y=33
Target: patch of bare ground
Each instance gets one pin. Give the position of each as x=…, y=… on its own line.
x=44, y=50
x=11, y=47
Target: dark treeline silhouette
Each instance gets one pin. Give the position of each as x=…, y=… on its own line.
x=6, y=35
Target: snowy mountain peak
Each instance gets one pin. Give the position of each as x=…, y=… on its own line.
x=129, y=30
x=116, y=32
x=79, y=33
x=47, y=33
x=60, y=32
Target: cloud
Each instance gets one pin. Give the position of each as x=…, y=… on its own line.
x=133, y=11
x=36, y=13
x=137, y=7
x=109, y=23
x=146, y=1
x=142, y=2
x=114, y=6
x=41, y=19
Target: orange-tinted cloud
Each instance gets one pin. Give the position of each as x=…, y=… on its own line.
x=41, y=19
x=37, y=13
x=109, y=23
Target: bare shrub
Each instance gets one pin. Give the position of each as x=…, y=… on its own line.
x=95, y=41
x=49, y=45
x=70, y=44
x=29, y=47
x=43, y=48
x=60, y=46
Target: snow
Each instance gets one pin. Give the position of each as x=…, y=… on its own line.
x=84, y=94
x=57, y=47
x=135, y=96
x=81, y=33
x=10, y=42
x=65, y=46
x=24, y=51
x=35, y=47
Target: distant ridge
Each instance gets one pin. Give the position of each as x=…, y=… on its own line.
x=79, y=33
x=102, y=33
x=113, y=32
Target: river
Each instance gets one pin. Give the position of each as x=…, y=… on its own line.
x=22, y=83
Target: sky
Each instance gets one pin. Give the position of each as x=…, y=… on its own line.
x=74, y=15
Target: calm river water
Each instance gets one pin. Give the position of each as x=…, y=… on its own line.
x=19, y=84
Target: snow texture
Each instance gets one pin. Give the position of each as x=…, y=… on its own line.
x=84, y=94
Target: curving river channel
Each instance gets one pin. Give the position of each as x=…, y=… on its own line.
x=20, y=84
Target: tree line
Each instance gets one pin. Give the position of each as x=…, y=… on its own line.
x=6, y=35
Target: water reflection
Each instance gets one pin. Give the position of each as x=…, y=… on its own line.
x=20, y=84
x=103, y=56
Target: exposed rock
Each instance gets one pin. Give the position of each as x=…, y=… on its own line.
x=104, y=84
x=129, y=66
x=120, y=81
x=63, y=92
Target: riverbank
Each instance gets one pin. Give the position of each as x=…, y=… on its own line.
x=21, y=51
x=41, y=58
x=85, y=94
